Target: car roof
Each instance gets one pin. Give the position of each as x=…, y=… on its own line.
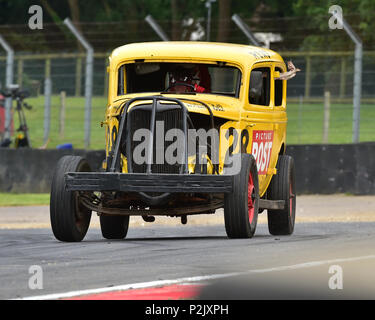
x=195, y=50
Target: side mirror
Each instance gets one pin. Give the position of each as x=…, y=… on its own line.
x=256, y=86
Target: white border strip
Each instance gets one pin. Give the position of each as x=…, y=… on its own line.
x=159, y=283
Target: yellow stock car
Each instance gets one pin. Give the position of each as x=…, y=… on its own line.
x=190, y=127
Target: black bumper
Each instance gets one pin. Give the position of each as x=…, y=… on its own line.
x=141, y=182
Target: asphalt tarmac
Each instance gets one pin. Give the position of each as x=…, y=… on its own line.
x=264, y=267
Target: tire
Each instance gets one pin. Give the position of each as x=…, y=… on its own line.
x=282, y=187
x=114, y=227
x=240, y=210
x=70, y=220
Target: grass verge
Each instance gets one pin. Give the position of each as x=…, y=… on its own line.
x=24, y=199
x=305, y=124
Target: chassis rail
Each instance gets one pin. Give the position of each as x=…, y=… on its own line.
x=155, y=211
x=143, y=182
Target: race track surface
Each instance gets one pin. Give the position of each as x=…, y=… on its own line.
x=263, y=267
x=334, y=233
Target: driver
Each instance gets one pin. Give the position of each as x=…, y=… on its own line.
x=185, y=79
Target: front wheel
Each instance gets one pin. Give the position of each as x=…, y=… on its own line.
x=70, y=219
x=242, y=205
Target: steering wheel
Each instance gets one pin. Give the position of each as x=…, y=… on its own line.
x=181, y=84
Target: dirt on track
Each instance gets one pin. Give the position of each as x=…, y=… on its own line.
x=310, y=208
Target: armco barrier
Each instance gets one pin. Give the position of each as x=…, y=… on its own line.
x=31, y=170
x=321, y=169
x=325, y=169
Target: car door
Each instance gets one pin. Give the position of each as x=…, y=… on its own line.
x=258, y=117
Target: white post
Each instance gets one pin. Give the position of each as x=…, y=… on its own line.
x=300, y=117
x=357, y=86
x=209, y=9
x=327, y=107
x=245, y=29
x=62, y=114
x=8, y=82
x=47, y=108
x=157, y=28
x=88, y=79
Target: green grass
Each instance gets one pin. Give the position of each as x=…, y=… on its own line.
x=23, y=199
x=74, y=122
x=305, y=125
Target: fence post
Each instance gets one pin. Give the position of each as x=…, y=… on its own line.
x=88, y=78
x=308, y=77
x=357, y=81
x=209, y=10
x=8, y=82
x=300, y=118
x=357, y=91
x=47, y=68
x=327, y=107
x=157, y=28
x=20, y=71
x=78, y=76
x=343, y=77
x=47, y=108
x=245, y=29
x=62, y=114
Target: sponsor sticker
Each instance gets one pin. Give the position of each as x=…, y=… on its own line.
x=262, y=149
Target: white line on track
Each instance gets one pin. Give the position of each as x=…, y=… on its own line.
x=150, y=284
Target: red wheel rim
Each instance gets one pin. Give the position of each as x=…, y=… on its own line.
x=250, y=197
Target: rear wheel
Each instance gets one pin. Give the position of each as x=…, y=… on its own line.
x=282, y=187
x=70, y=220
x=114, y=227
x=242, y=205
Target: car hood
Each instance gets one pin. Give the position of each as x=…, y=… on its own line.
x=221, y=106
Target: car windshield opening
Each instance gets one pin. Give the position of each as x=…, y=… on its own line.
x=179, y=78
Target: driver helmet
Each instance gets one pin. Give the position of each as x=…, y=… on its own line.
x=185, y=79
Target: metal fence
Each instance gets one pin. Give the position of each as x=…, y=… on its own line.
x=329, y=69
x=320, y=72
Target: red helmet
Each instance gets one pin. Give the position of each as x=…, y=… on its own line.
x=185, y=79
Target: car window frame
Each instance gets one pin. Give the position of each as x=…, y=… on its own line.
x=255, y=66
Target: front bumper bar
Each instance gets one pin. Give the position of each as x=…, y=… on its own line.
x=143, y=182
